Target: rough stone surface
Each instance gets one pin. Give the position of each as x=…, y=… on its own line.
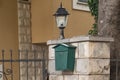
x=24, y=26
x=83, y=50
x=99, y=50
x=25, y=40
x=51, y=52
x=56, y=77
x=93, y=66
x=71, y=77
x=94, y=77
x=82, y=66
x=94, y=50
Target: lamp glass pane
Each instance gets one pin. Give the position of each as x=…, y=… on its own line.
x=61, y=21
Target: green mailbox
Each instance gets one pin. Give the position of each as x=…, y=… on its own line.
x=64, y=57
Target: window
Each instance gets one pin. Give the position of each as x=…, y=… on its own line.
x=85, y=1
x=80, y=5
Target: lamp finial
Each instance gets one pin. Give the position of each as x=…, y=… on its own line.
x=61, y=5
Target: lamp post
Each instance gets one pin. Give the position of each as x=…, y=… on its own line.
x=61, y=17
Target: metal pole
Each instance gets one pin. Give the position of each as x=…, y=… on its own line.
x=35, y=64
x=19, y=64
x=11, y=65
x=62, y=33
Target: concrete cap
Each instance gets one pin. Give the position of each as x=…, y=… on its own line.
x=82, y=39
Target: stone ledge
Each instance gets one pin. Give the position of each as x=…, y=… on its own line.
x=58, y=41
x=94, y=77
x=79, y=77
x=81, y=39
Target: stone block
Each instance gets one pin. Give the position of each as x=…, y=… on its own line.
x=94, y=50
x=23, y=78
x=94, y=77
x=82, y=66
x=26, y=22
x=39, y=55
x=76, y=51
x=22, y=31
x=19, y=5
x=99, y=66
x=71, y=77
x=51, y=52
x=30, y=64
x=24, y=46
x=99, y=50
x=28, y=13
x=83, y=50
x=92, y=66
x=28, y=31
x=31, y=55
x=20, y=22
x=23, y=64
x=56, y=77
x=31, y=77
x=39, y=77
x=31, y=71
x=23, y=71
x=51, y=68
x=39, y=71
x=24, y=6
x=38, y=64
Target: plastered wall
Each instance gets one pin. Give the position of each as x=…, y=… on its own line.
x=43, y=22
x=9, y=33
x=8, y=24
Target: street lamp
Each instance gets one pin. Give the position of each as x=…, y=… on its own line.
x=61, y=17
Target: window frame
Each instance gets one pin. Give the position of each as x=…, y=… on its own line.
x=24, y=1
x=80, y=5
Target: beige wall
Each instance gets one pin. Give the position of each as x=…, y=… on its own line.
x=9, y=31
x=43, y=22
x=8, y=24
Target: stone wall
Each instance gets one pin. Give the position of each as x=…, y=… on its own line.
x=24, y=33
x=92, y=59
x=25, y=43
x=24, y=26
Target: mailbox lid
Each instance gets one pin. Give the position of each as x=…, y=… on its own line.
x=63, y=47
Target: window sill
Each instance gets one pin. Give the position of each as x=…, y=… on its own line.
x=80, y=6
